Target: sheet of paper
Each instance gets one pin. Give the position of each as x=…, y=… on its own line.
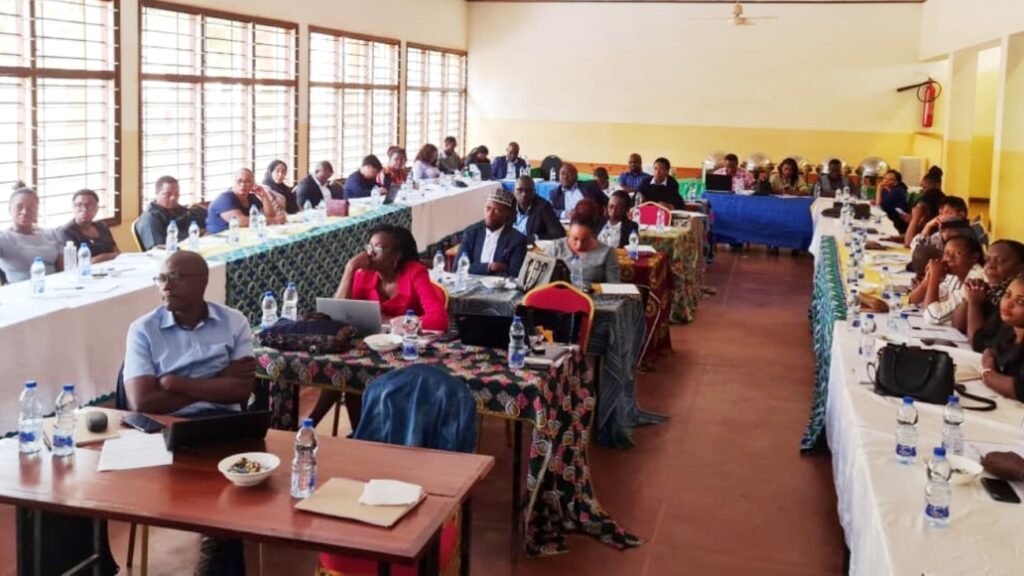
x=646, y=249
x=619, y=289
x=134, y=449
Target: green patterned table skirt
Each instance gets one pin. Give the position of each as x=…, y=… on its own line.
x=828, y=306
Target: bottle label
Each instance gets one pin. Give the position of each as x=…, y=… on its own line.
x=937, y=512
x=905, y=451
x=62, y=441
x=518, y=359
x=26, y=436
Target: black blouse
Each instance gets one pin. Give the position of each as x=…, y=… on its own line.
x=1010, y=358
x=102, y=244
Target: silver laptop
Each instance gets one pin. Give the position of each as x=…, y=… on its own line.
x=363, y=315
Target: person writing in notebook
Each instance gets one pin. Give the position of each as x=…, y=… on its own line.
x=191, y=358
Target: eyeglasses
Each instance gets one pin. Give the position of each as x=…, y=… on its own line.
x=376, y=250
x=172, y=278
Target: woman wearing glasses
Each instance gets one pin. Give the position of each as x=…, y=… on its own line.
x=389, y=272
x=82, y=228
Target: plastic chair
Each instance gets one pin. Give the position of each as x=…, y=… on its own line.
x=421, y=406
x=547, y=164
x=121, y=403
x=649, y=213
x=136, y=236
x=564, y=297
x=442, y=290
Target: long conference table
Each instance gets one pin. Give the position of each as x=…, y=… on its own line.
x=881, y=502
x=76, y=333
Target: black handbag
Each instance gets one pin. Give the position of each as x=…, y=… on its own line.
x=925, y=375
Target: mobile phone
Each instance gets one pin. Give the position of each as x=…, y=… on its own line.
x=142, y=423
x=1000, y=490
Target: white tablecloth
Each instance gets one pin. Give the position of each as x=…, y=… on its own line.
x=76, y=335
x=881, y=502
x=443, y=213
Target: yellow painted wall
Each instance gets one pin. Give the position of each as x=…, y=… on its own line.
x=1007, y=208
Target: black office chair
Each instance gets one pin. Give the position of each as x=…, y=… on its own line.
x=547, y=164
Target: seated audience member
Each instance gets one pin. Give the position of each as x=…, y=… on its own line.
x=1002, y=363
x=978, y=316
x=388, y=272
x=833, y=181
x=941, y=291
x=534, y=216
x=478, y=155
x=892, y=198
x=273, y=180
x=599, y=262
x=762, y=184
x=569, y=192
x=152, y=224
x=951, y=210
x=788, y=181
x=424, y=167
x=741, y=179
x=237, y=202
x=502, y=165
x=662, y=188
x=20, y=245
x=495, y=247
x=82, y=228
x=616, y=227
x=923, y=211
x=317, y=187
x=394, y=172
x=932, y=180
x=360, y=184
x=631, y=180
x=191, y=358
x=448, y=160
x=601, y=181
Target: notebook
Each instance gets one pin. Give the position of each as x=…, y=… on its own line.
x=339, y=497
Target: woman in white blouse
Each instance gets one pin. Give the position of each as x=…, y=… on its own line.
x=941, y=291
x=425, y=165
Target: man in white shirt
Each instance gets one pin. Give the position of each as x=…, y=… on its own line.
x=495, y=247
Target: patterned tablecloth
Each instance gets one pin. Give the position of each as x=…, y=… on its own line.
x=561, y=495
x=314, y=259
x=827, y=307
x=651, y=271
x=616, y=338
x=684, y=246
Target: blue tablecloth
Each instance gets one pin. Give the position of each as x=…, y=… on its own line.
x=544, y=187
x=769, y=220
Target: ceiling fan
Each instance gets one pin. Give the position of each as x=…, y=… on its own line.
x=738, y=19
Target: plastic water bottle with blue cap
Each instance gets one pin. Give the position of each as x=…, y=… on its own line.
x=30, y=419
x=171, y=243
x=290, y=304
x=304, y=461
x=64, y=427
x=516, y=344
x=462, y=273
x=234, y=231
x=906, y=432
x=633, y=248
x=867, y=336
x=953, y=426
x=269, y=307
x=37, y=274
x=193, y=236
x=438, y=270
x=307, y=212
x=84, y=262
x=71, y=262
x=410, y=337
x=937, y=494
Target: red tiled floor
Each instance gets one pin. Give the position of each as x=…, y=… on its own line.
x=720, y=489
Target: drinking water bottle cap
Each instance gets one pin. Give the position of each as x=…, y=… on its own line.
x=69, y=387
x=30, y=384
x=84, y=245
x=291, y=284
x=953, y=399
x=908, y=400
x=516, y=319
x=410, y=313
x=307, y=423
x=939, y=452
x=268, y=293
x=38, y=259
x=70, y=243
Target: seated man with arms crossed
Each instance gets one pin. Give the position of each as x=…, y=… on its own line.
x=191, y=358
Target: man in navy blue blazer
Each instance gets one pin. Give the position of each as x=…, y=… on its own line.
x=500, y=165
x=495, y=248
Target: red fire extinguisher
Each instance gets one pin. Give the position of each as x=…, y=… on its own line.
x=927, y=94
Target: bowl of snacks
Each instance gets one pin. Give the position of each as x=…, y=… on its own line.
x=248, y=468
x=383, y=342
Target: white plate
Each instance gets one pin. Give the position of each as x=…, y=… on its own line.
x=268, y=461
x=383, y=342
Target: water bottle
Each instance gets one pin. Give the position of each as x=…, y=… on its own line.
x=553, y=175
x=633, y=248
x=659, y=221
x=953, y=426
x=254, y=213
x=906, y=432
x=320, y=212
x=84, y=262
x=290, y=302
x=269, y=307
x=576, y=272
x=937, y=494
x=307, y=212
x=193, y=236
x=304, y=462
x=516, y=344
x=890, y=318
x=234, y=231
x=852, y=304
x=438, y=270
x=30, y=419
x=463, y=272
x=410, y=337
x=171, y=244
x=64, y=427
x=70, y=262
x=474, y=172
x=867, y=336
x=846, y=193
x=639, y=199
x=261, y=227
x=37, y=273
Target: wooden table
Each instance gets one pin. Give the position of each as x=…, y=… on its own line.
x=192, y=495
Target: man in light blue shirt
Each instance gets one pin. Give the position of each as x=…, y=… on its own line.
x=188, y=357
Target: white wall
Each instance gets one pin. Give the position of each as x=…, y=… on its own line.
x=951, y=25
x=817, y=67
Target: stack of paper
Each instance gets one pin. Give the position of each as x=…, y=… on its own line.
x=134, y=449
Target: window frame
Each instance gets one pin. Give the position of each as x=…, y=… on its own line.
x=341, y=86
x=33, y=73
x=200, y=80
x=443, y=91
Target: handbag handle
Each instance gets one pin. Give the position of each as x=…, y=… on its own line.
x=988, y=403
